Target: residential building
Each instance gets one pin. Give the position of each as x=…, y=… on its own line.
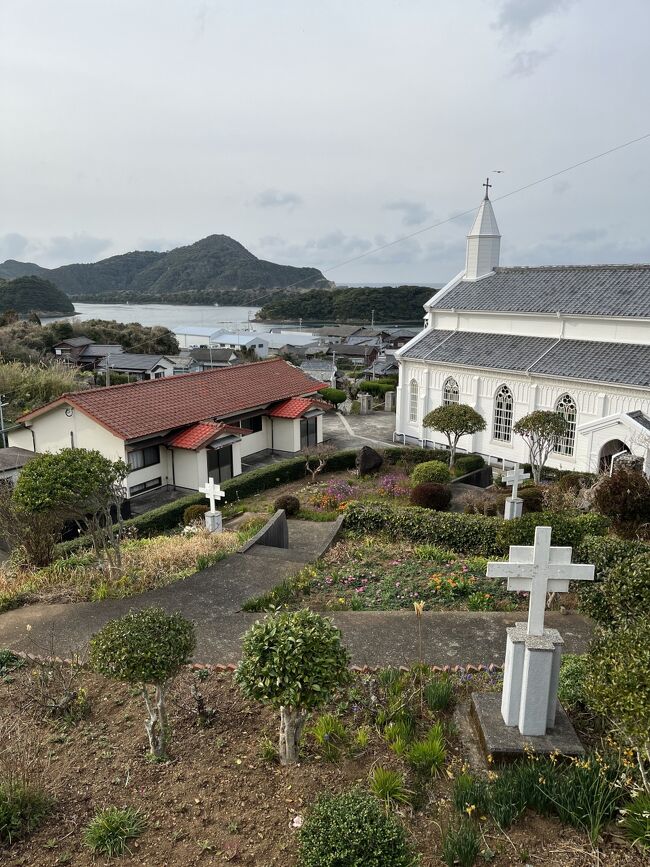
x=240, y=341
x=83, y=352
x=359, y=355
x=207, y=359
x=320, y=370
x=507, y=341
x=12, y=460
x=195, y=336
x=335, y=333
x=178, y=431
x=138, y=365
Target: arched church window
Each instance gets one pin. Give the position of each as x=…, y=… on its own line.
x=503, y=404
x=566, y=407
x=413, y=401
x=450, y=392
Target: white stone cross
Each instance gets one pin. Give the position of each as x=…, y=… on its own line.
x=513, y=477
x=538, y=570
x=212, y=491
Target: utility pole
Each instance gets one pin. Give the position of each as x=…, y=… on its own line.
x=2, y=420
x=372, y=320
x=300, y=324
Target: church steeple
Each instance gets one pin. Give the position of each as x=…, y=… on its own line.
x=483, y=241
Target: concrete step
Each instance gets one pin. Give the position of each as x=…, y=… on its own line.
x=290, y=555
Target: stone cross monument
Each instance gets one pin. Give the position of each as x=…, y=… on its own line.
x=213, y=519
x=514, y=504
x=533, y=653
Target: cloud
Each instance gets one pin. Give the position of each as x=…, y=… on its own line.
x=318, y=252
x=413, y=213
x=50, y=252
x=585, y=247
x=517, y=17
x=277, y=199
x=524, y=63
x=161, y=245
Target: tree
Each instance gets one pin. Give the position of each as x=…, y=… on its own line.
x=34, y=534
x=146, y=649
x=292, y=661
x=81, y=486
x=454, y=421
x=540, y=430
x=317, y=456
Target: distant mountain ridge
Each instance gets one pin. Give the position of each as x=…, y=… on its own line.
x=202, y=271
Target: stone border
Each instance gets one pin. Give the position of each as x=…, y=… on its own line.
x=274, y=534
x=492, y=668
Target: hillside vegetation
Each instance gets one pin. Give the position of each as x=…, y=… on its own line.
x=31, y=294
x=199, y=273
x=390, y=304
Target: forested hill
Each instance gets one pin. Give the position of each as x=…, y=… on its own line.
x=389, y=303
x=33, y=295
x=217, y=268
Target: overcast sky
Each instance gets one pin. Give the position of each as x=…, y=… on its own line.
x=313, y=132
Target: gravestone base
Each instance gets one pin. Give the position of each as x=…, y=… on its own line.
x=506, y=744
x=513, y=508
x=213, y=522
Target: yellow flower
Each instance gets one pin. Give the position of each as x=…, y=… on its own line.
x=419, y=608
x=469, y=809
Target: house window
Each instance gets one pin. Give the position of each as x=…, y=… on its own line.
x=146, y=457
x=253, y=423
x=145, y=486
x=413, y=401
x=308, y=432
x=220, y=463
x=566, y=407
x=450, y=393
x=503, y=415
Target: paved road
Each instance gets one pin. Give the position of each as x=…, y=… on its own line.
x=354, y=431
x=213, y=598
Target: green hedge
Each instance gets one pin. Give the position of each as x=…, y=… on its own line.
x=376, y=388
x=467, y=464
x=469, y=534
x=606, y=552
x=413, y=455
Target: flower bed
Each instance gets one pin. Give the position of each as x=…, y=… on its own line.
x=371, y=574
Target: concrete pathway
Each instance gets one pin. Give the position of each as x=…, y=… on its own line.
x=354, y=431
x=213, y=599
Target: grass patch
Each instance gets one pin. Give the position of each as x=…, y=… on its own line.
x=23, y=808
x=110, y=831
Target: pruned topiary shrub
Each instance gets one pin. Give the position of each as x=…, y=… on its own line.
x=533, y=497
x=468, y=464
x=289, y=503
x=430, y=495
x=292, y=661
x=625, y=498
x=353, y=829
x=431, y=471
x=146, y=649
x=194, y=513
x=622, y=595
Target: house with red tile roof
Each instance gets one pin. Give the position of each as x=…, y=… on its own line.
x=179, y=431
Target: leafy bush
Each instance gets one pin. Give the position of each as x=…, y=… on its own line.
x=625, y=498
x=145, y=648
x=376, y=388
x=412, y=455
x=430, y=495
x=333, y=395
x=352, y=829
x=468, y=464
x=292, y=661
x=194, y=513
x=607, y=551
x=622, y=595
x=533, y=497
x=431, y=471
x=575, y=481
x=461, y=844
x=567, y=529
x=289, y=503
x=571, y=689
x=635, y=820
x=355, y=407
x=110, y=830
x=22, y=809
x=617, y=684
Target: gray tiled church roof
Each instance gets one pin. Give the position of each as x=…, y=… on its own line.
x=589, y=290
x=622, y=363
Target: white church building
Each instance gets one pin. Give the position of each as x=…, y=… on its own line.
x=507, y=341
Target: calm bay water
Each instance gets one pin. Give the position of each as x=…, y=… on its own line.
x=171, y=316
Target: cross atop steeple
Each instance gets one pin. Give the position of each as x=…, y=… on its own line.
x=487, y=186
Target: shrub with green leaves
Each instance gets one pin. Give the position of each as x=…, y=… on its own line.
x=293, y=661
x=571, y=688
x=195, y=513
x=146, y=649
x=431, y=495
x=618, y=686
x=431, y=471
x=625, y=498
x=622, y=595
x=468, y=464
x=353, y=829
x=608, y=551
x=289, y=503
x=454, y=421
x=110, y=831
x=333, y=395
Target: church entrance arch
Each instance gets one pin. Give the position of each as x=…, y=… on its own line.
x=607, y=452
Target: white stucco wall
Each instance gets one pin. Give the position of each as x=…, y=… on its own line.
x=286, y=435
x=478, y=388
x=52, y=432
x=186, y=468
x=257, y=442
x=161, y=470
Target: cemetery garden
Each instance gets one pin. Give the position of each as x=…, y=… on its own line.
x=291, y=757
